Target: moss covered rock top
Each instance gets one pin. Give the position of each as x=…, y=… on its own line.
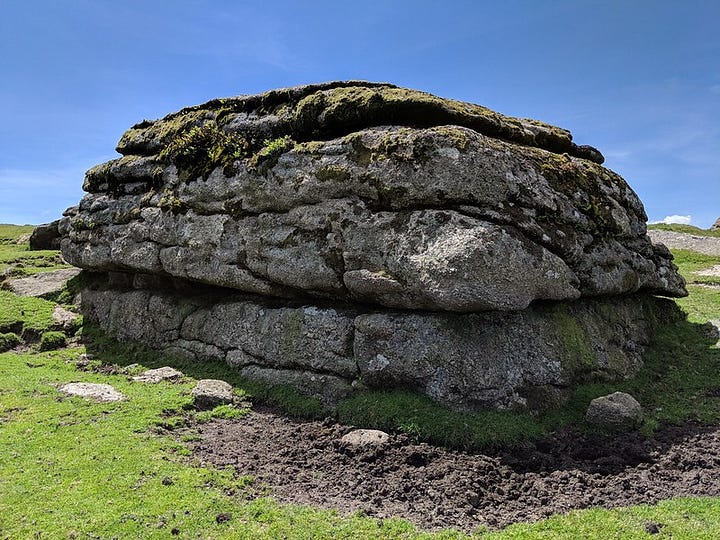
x=367, y=193
x=329, y=110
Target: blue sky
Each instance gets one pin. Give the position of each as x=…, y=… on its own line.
x=638, y=79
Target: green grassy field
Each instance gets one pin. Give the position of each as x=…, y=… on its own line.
x=74, y=469
x=17, y=260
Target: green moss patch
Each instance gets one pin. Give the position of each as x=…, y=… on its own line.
x=8, y=341
x=321, y=112
x=50, y=341
x=200, y=150
x=25, y=315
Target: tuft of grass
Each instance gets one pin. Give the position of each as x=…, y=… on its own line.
x=221, y=412
x=424, y=420
x=24, y=315
x=50, y=341
x=8, y=341
x=270, y=153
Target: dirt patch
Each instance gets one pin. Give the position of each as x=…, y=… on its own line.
x=306, y=463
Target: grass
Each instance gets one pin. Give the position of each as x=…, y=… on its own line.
x=122, y=470
x=17, y=259
x=688, y=229
x=99, y=470
x=25, y=315
x=703, y=304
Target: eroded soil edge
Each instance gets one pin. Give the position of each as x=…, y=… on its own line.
x=305, y=463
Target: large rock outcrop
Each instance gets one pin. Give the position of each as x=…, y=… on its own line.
x=357, y=202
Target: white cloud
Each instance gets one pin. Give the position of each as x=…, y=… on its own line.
x=683, y=220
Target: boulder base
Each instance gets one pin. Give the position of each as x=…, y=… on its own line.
x=330, y=350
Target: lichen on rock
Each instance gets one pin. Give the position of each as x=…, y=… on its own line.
x=370, y=198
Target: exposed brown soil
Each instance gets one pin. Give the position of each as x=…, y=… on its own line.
x=306, y=463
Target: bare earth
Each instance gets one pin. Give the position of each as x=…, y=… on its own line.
x=306, y=463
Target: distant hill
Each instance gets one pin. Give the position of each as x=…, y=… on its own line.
x=687, y=229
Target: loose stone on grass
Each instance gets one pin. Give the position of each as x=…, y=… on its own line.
x=615, y=412
x=209, y=393
x=64, y=318
x=104, y=393
x=165, y=373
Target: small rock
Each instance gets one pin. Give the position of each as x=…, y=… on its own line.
x=653, y=528
x=63, y=317
x=83, y=361
x=615, y=412
x=209, y=393
x=103, y=393
x=165, y=373
x=365, y=437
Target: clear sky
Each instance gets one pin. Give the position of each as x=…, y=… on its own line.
x=638, y=79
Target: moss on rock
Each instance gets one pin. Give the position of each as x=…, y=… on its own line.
x=321, y=112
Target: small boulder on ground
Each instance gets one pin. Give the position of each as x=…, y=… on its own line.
x=365, y=437
x=45, y=236
x=209, y=393
x=615, y=412
x=165, y=373
x=64, y=318
x=103, y=393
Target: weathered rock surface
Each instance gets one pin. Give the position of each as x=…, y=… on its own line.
x=486, y=359
x=615, y=412
x=157, y=375
x=346, y=235
x=209, y=393
x=45, y=236
x=43, y=283
x=716, y=225
x=367, y=193
x=103, y=393
x=64, y=318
